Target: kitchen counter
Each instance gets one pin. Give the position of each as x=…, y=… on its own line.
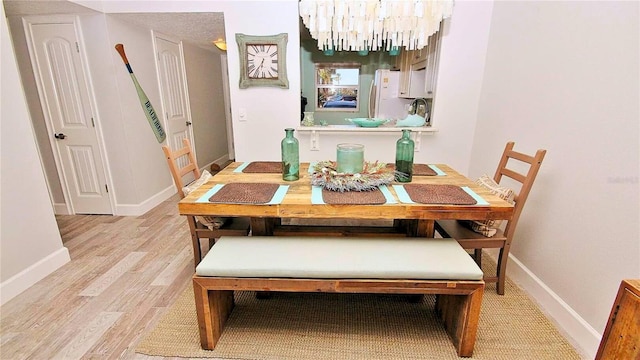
x=355, y=128
x=315, y=131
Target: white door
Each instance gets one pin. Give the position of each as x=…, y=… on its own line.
x=227, y=107
x=173, y=89
x=64, y=92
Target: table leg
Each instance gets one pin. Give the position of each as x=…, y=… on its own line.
x=425, y=228
x=197, y=253
x=416, y=227
x=263, y=226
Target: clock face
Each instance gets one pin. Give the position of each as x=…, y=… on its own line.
x=262, y=61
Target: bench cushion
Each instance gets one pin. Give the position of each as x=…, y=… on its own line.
x=339, y=258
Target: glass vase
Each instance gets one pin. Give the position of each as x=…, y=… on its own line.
x=404, y=157
x=350, y=158
x=290, y=156
x=308, y=119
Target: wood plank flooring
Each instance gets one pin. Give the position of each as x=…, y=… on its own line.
x=124, y=273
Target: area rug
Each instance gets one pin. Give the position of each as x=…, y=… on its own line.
x=301, y=326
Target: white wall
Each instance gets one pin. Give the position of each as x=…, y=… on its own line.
x=269, y=110
x=30, y=243
x=35, y=110
x=138, y=148
x=563, y=76
x=206, y=97
x=137, y=172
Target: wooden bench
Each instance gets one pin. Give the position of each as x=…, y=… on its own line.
x=340, y=265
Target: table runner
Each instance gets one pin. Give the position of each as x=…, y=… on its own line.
x=438, y=194
x=245, y=193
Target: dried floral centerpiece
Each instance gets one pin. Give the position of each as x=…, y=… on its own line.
x=373, y=175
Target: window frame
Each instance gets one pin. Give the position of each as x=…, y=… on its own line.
x=319, y=86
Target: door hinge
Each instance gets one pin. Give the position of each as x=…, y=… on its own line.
x=77, y=47
x=93, y=122
x=106, y=187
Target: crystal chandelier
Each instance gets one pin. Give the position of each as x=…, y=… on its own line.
x=356, y=25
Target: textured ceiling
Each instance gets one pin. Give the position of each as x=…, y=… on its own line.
x=196, y=28
x=42, y=7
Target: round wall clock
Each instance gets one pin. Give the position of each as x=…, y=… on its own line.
x=262, y=60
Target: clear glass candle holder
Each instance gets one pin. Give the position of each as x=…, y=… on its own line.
x=350, y=158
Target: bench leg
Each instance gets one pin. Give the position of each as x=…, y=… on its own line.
x=461, y=314
x=213, y=308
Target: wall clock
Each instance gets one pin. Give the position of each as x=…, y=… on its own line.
x=263, y=60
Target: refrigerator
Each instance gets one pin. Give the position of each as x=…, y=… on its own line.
x=383, y=96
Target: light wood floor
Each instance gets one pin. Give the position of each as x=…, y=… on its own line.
x=124, y=273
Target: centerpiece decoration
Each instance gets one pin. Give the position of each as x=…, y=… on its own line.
x=374, y=174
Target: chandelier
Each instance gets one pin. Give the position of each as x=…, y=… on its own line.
x=357, y=25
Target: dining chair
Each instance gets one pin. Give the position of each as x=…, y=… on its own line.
x=182, y=162
x=502, y=239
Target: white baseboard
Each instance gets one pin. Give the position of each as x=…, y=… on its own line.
x=143, y=207
x=220, y=161
x=61, y=209
x=31, y=275
x=577, y=331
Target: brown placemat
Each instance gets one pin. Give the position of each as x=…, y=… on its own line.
x=245, y=193
x=269, y=167
x=373, y=197
x=418, y=169
x=423, y=170
x=439, y=194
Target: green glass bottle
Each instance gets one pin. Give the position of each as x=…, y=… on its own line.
x=404, y=157
x=290, y=156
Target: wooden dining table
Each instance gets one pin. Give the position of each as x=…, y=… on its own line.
x=409, y=218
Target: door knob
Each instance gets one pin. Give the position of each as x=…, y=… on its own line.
x=188, y=123
x=60, y=136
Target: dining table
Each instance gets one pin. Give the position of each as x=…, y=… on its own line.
x=290, y=203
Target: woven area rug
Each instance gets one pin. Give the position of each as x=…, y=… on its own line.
x=301, y=326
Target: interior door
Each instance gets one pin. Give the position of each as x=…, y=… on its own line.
x=227, y=107
x=173, y=88
x=64, y=92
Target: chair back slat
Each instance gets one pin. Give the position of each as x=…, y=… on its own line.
x=181, y=152
x=190, y=167
x=178, y=172
x=514, y=175
x=520, y=156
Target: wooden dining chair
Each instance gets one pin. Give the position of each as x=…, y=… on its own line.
x=182, y=162
x=469, y=239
